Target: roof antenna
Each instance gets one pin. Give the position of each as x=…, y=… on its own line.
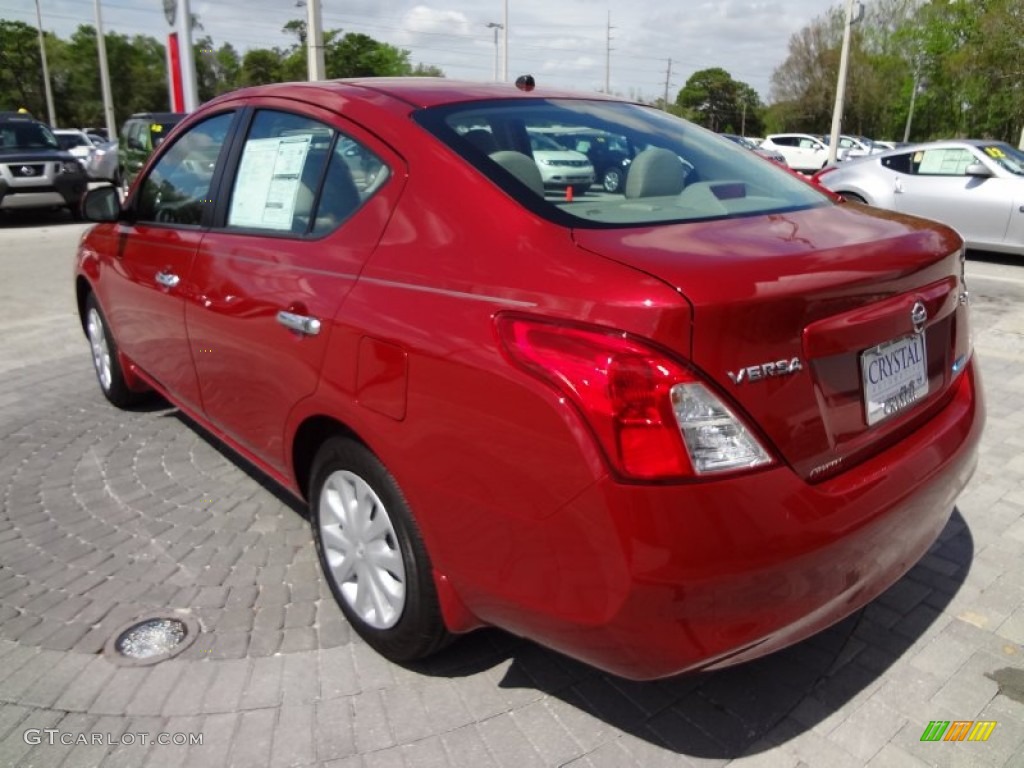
x=525, y=83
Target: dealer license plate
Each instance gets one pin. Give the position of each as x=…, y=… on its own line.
x=894, y=376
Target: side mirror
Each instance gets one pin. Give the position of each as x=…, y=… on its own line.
x=978, y=170
x=102, y=204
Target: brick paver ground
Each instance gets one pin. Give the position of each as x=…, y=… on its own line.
x=107, y=516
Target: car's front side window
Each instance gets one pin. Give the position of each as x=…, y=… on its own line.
x=177, y=189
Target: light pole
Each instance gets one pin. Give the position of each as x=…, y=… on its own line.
x=504, y=29
x=495, y=26
x=46, y=69
x=108, y=102
x=910, y=113
x=852, y=8
x=315, y=67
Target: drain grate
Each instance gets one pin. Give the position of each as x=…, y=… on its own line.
x=151, y=640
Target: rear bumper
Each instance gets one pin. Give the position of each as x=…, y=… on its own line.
x=668, y=579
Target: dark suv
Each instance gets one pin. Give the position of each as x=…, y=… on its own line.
x=609, y=153
x=140, y=135
x=34, y=171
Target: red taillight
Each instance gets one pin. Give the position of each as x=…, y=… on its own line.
x=622, y=386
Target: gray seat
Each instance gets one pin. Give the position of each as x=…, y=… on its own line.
x=482, y=139
x=339, y=197
x=522, y=167
x=655, y=172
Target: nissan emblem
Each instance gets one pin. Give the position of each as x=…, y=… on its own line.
x=918, y=316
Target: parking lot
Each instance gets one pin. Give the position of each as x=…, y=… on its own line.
x=110, y=516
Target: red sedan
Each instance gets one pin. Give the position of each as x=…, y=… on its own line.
x=675, y=427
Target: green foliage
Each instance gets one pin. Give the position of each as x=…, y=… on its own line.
x=138, y=68
x=964, y=58
x=713, y=99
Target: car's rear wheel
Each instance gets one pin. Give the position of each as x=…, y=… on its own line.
x=612, y=180
x=372, y=554
x=105, y=359
x=853, y=197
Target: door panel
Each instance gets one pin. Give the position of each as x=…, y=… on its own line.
x=155, y=254
x=253, y=365
x=979, y=209
x=937, y=188
x=147, y=317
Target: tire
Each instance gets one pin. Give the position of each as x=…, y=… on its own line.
x=853, y=197
x=372, y=554
x=612, y=180
x=105, y=361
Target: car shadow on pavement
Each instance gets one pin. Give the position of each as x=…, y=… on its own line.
x=251, y=471
x=753, y=707
x=36, y=218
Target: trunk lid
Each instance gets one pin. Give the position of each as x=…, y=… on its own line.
x=787, y=309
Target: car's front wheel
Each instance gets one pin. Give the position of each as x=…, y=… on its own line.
x=853, y=197
x=104, y=357
x=372, y=554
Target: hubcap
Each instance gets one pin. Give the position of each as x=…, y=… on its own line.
x=100, y=351
x=361, y=549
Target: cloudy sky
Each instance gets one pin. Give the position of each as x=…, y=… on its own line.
x=561, y=42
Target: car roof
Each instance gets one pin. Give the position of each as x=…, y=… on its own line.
x=158, y=116
x=415, y=91
x=940, y=144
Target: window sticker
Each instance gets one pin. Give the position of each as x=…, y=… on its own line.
x=268, y=182
x=945, y=162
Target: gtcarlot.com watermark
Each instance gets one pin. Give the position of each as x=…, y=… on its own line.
x=53, y=737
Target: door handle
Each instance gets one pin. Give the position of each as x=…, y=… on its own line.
x=897, y=186
x=167, y=280
x=304, y=324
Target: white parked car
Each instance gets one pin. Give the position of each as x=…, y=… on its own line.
x=561, y=167
x=852, y=147
x=75, y=142
x=803, y=151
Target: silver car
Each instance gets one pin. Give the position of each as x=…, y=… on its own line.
x=974, y=186
x=103, y=164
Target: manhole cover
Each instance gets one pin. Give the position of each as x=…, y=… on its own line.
x=151, y=640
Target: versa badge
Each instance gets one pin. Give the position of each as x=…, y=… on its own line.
x=766, y=370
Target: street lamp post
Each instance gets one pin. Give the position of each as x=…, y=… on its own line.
x=108, y=102
x=46, y=70
x=495, y=26
x=844, y=58
x=504, y=30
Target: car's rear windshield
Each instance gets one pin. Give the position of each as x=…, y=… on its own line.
x=69, y=140
x=677, y=172
x=158, y=130
x=18, y=136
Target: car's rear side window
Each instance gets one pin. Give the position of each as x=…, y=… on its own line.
x=899, y=163
x=298, y=175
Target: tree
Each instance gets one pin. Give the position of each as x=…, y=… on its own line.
x=21, y=79
x=964, y=60
x=713, y=99
x=261, y=66
x=357, y=55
